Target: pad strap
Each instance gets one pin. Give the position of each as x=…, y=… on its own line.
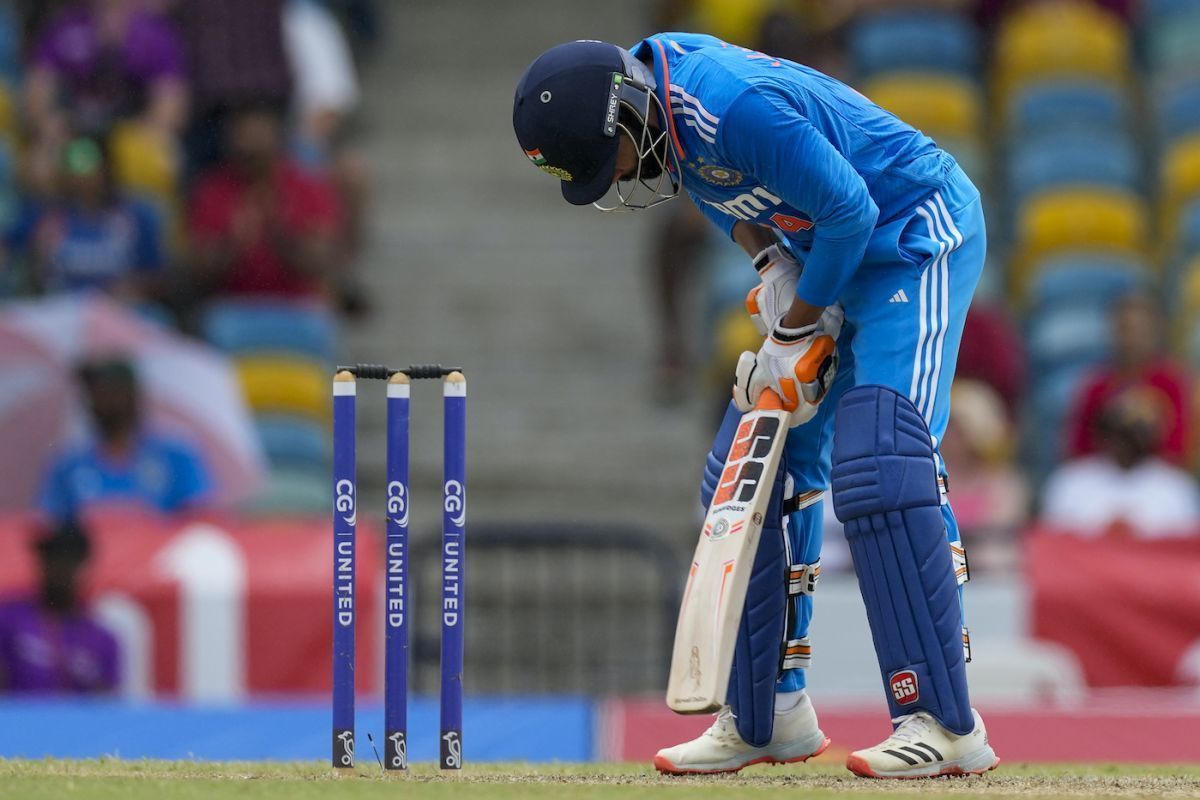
x=962, y=570
x=802, y=500
x=803, y=578
x=797, y=653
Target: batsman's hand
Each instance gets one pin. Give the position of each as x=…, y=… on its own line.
x=798, y=363
x=771, y=299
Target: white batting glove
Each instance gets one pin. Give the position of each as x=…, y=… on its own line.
x=799, y=364
x=771, y=299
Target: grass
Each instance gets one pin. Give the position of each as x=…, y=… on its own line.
x=142, y=780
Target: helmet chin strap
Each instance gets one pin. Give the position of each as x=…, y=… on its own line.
x=657, y=177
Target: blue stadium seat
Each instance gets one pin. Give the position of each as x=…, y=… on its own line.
x=1051, y=397
x=294, y=441
x=1086, y=279
x=244, y=327
x=914, y=41
x=1060, y=160
x=10, y=45
x=1067, y=103
x=294, y=491
x=1187, y=231
x=1193, y=344
x=1171, y=42
x=1156, y=9
x=1176, y=107
x=1069, y=336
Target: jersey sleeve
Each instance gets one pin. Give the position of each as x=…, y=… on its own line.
x=764, y=135
x=722, y=221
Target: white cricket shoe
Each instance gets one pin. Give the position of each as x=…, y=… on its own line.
x=796, y=737
x=921, y=748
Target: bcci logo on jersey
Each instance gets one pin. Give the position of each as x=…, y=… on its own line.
x=720, y=176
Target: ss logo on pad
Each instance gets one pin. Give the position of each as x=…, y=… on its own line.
x=904, y=687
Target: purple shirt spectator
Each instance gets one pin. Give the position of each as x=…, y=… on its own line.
x=107, y=79
x=42, y=652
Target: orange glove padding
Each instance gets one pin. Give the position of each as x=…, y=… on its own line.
x=798, y=363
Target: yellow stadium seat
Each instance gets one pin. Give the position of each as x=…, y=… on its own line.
x=1060, y=38
x=1191, y=289
x=738, y=22
x=1077, y=219
x=733, y=334
x=144, y=163
x=1188, y=308
x=942, y=106
x=285, y=385
x=1179, y=175
x=8, y=119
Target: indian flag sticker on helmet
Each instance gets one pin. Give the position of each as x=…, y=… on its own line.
x=536, y=157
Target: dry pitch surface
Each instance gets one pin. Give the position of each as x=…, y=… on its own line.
x=135, y=780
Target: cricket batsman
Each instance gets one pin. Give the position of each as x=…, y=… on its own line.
x=869, y=241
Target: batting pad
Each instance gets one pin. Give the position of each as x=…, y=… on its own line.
x=886, y=494
x=757, y=654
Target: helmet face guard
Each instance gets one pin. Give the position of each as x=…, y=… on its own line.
x=656, y=178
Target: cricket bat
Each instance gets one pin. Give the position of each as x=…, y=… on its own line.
x=715, y=595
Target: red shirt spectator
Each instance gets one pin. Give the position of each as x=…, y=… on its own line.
x=1139, y=369
x=1162, y=383
x=259, y=224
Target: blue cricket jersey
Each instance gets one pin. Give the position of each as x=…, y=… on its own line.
x=769, y=141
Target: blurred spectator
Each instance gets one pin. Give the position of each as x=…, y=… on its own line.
x=125, y=464
x=260, y=224
x=326, y=87
x=1139, y=366
x=993, y=352
x=48, y=642
x=990, y=496
x=100, y=61
x=326, y=94
x=1124, y=487
x=94, y=237
x=235, y=57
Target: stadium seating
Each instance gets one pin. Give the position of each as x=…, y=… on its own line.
x=1067, y=105
x=1052, y=40
x=1171, y=41
x=917, y=40
x=942, y=106
x=1072, y=159
x=1077, y=219
x=263, y=326
x=10, y=45
x=1179, y=175
x=277, y=384
x=294, y=441
x=146, y=166
x=1176, y=107
x=1078, y=278
x=296, y=491
x=1185, y=238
